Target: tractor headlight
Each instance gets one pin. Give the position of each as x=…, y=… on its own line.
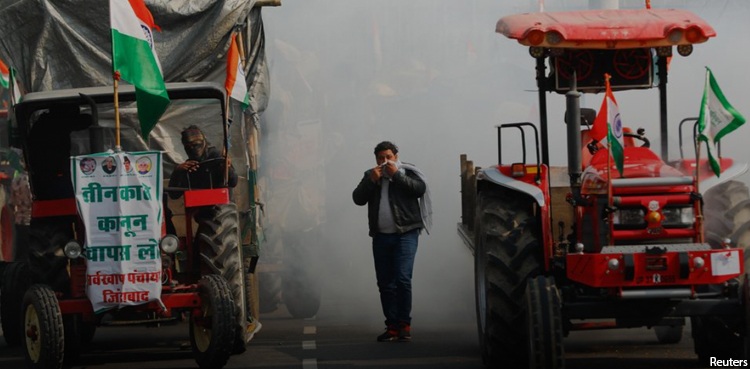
x=72, y=249
x=629, y=217
x=169, y=244
x=678, y=216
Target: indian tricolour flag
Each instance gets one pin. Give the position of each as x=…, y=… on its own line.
x=4, y=75
x=717, y=119
x=8, y=81
x=608, y=122
x=235, y=81
x=134, y=58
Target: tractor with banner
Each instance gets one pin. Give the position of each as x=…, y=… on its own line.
x=99, y=253
x=203, y=235
x=603, y=243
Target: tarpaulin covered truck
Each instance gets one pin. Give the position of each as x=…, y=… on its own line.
x=62, y=53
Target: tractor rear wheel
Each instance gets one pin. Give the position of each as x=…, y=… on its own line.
x=727, y=215
x=508, y=253
x=212, y=333
x=717, y=337
x=43, y=328
x=545, y=328
x=47, y=262
x=218, y=238
x=15, y=279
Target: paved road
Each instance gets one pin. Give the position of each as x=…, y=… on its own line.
x=338, y=341
x=342, y=336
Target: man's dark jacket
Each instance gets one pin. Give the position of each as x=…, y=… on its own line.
x=404, y=192
x=210, y=175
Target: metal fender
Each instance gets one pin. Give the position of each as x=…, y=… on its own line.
x=495, y=176
x=733, y=171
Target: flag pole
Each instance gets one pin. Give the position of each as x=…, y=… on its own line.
x=610, y=198
x=116, y=79
x=699, y=212
x=227, y=106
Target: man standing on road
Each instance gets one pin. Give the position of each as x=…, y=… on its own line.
x=398, y=207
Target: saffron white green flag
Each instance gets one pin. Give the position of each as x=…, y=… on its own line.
x=609, y=117
x=134, y=59
x=16, y=95
x=717, y=119
x=4, y=75
x=9, y=81
x=235, y=82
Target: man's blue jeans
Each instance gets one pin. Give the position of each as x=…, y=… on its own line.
x=394, y=262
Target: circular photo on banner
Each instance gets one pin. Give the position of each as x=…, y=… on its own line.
x=143, y=165
x=126, y=165
x=108, y=165
x=88, y=165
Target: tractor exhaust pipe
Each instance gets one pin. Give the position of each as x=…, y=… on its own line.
x=573, y=120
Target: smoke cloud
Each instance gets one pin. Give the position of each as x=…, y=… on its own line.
x=433, y=77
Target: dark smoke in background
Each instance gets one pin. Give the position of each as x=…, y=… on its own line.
x=434, y=77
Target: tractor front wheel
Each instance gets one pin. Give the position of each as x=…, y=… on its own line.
x=42, y=329
x=212, y=332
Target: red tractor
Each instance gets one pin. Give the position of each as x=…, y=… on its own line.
x=579, y=248
x=202, y=276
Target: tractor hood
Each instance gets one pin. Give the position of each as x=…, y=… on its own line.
x=639, y=162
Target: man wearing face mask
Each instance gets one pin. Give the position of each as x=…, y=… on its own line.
x=398, y=208
x=204, y=167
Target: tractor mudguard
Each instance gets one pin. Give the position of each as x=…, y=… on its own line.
x=727, y=174
x=495, y=176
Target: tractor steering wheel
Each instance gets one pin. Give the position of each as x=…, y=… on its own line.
x=640, y=136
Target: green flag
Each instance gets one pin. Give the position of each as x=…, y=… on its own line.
x=717, y=119
x=134, y=58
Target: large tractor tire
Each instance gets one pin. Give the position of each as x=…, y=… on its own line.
x=545, y=327
x=43, y=329
x=718, y=337
x=218, y=238
x=301, y=288
x=508, y=253
x=213, y=332
x=47, y=262
x=727, y=214
x=15, y=279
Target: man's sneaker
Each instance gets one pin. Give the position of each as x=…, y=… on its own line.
x=391, y=334
x=404, y=332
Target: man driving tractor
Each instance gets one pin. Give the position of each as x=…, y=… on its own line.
x=189, y=174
